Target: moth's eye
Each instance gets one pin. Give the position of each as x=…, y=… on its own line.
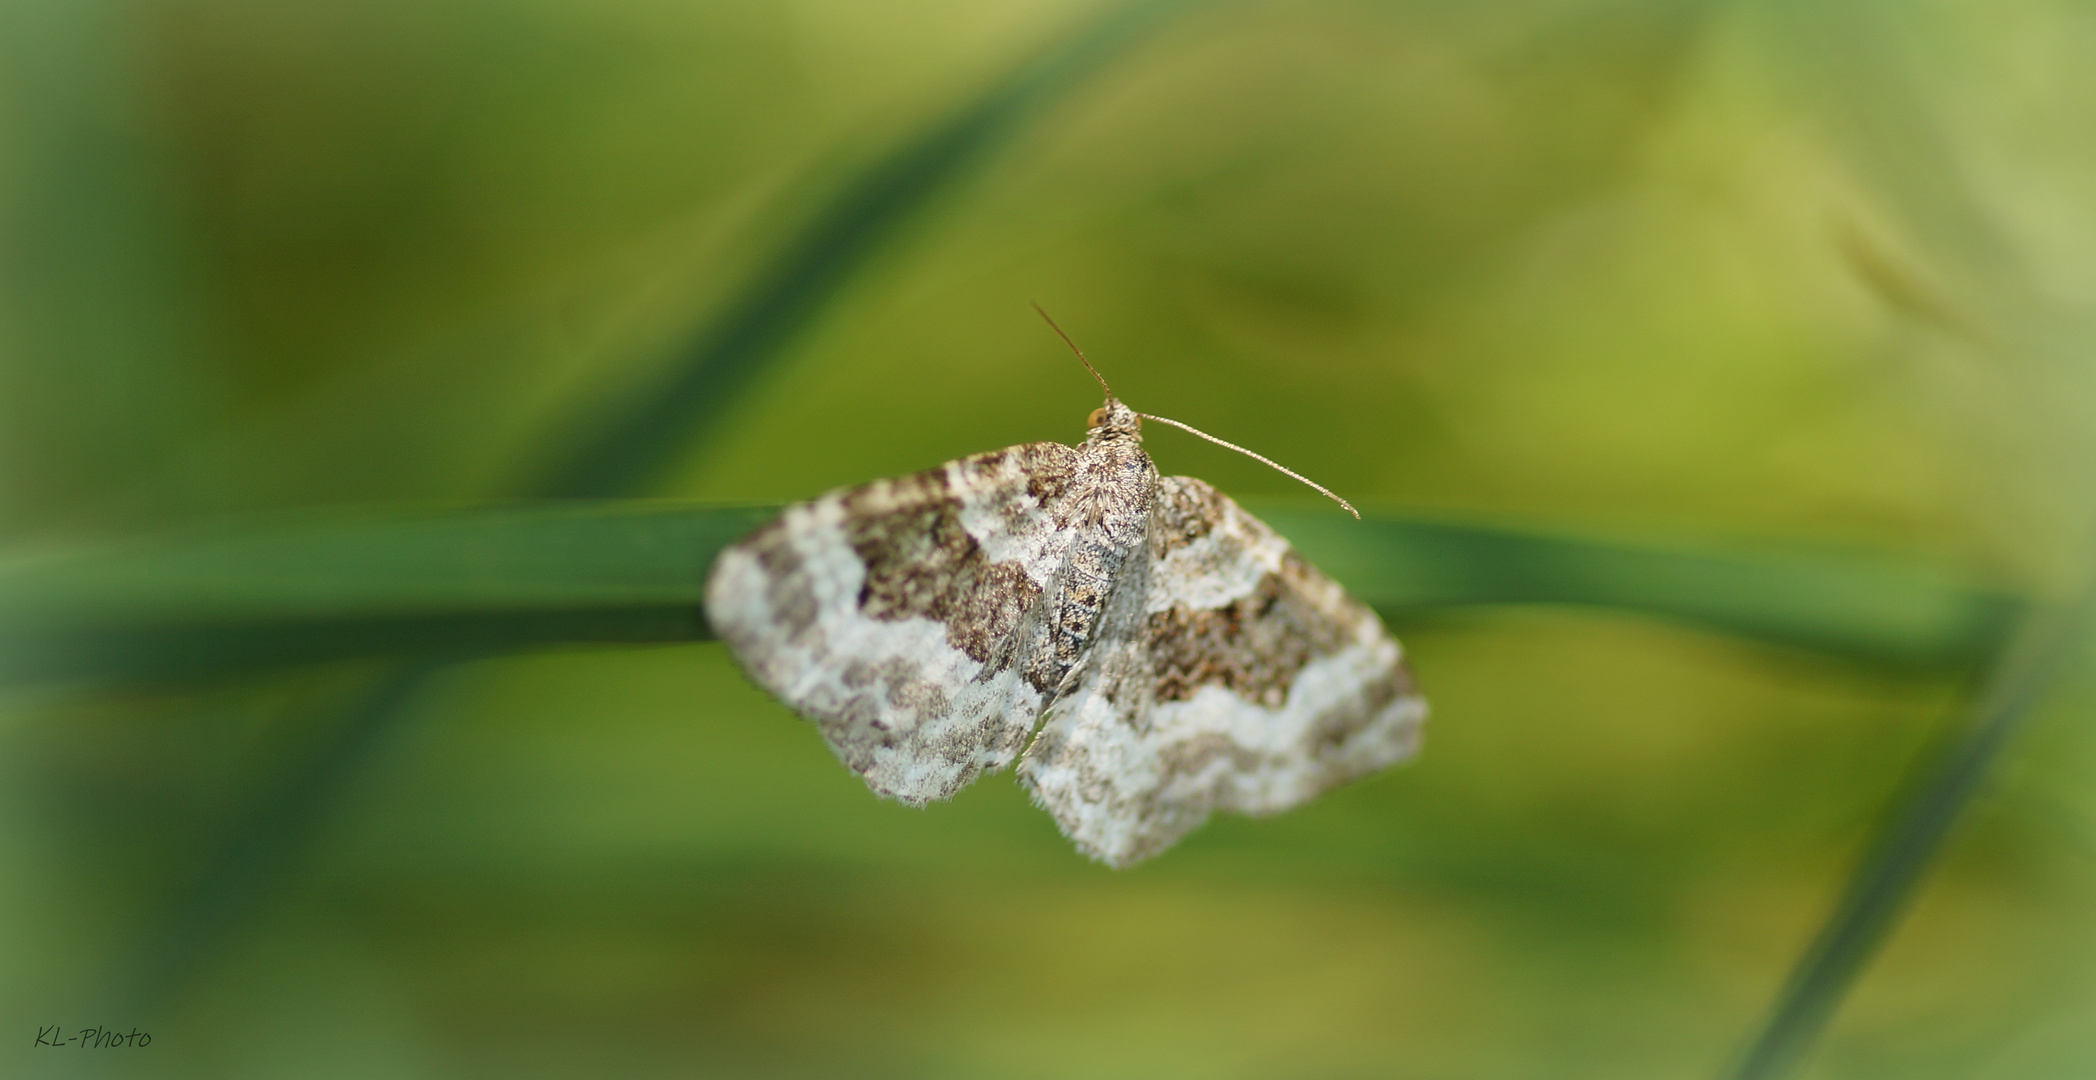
x=1098, y=417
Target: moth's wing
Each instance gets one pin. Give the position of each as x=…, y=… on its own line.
x=903, y=617
x=1246, y=681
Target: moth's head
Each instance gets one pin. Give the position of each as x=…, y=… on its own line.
x=1113, y=420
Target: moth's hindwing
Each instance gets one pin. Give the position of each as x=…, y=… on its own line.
x=1245, y=680
x=906, y=617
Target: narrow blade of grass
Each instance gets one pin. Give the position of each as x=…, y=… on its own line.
x=1901, y=853
x=1856, y=606
x=463, y=583
x=503, y=578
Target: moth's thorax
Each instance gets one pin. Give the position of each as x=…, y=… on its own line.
x=1112, y=483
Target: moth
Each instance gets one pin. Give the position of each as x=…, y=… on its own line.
x=1144, y=649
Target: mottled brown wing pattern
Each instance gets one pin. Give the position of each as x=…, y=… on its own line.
x=905, y=617
x=1240, y=678
x=1187, y=659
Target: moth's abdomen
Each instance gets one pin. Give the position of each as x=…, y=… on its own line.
x=1088, y=580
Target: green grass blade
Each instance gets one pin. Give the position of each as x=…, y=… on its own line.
x=1898, y=857
x=1855, y=606
x=633, y=447
x=419, y=583
x=504, y=578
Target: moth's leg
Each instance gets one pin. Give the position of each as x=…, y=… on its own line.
x=1070, y=680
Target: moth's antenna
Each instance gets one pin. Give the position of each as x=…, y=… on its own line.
x=1262, y=459
x=1080, y=352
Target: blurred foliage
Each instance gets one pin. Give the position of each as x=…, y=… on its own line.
x=1790, y=300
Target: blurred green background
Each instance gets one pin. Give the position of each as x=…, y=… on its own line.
x=1754, y=276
